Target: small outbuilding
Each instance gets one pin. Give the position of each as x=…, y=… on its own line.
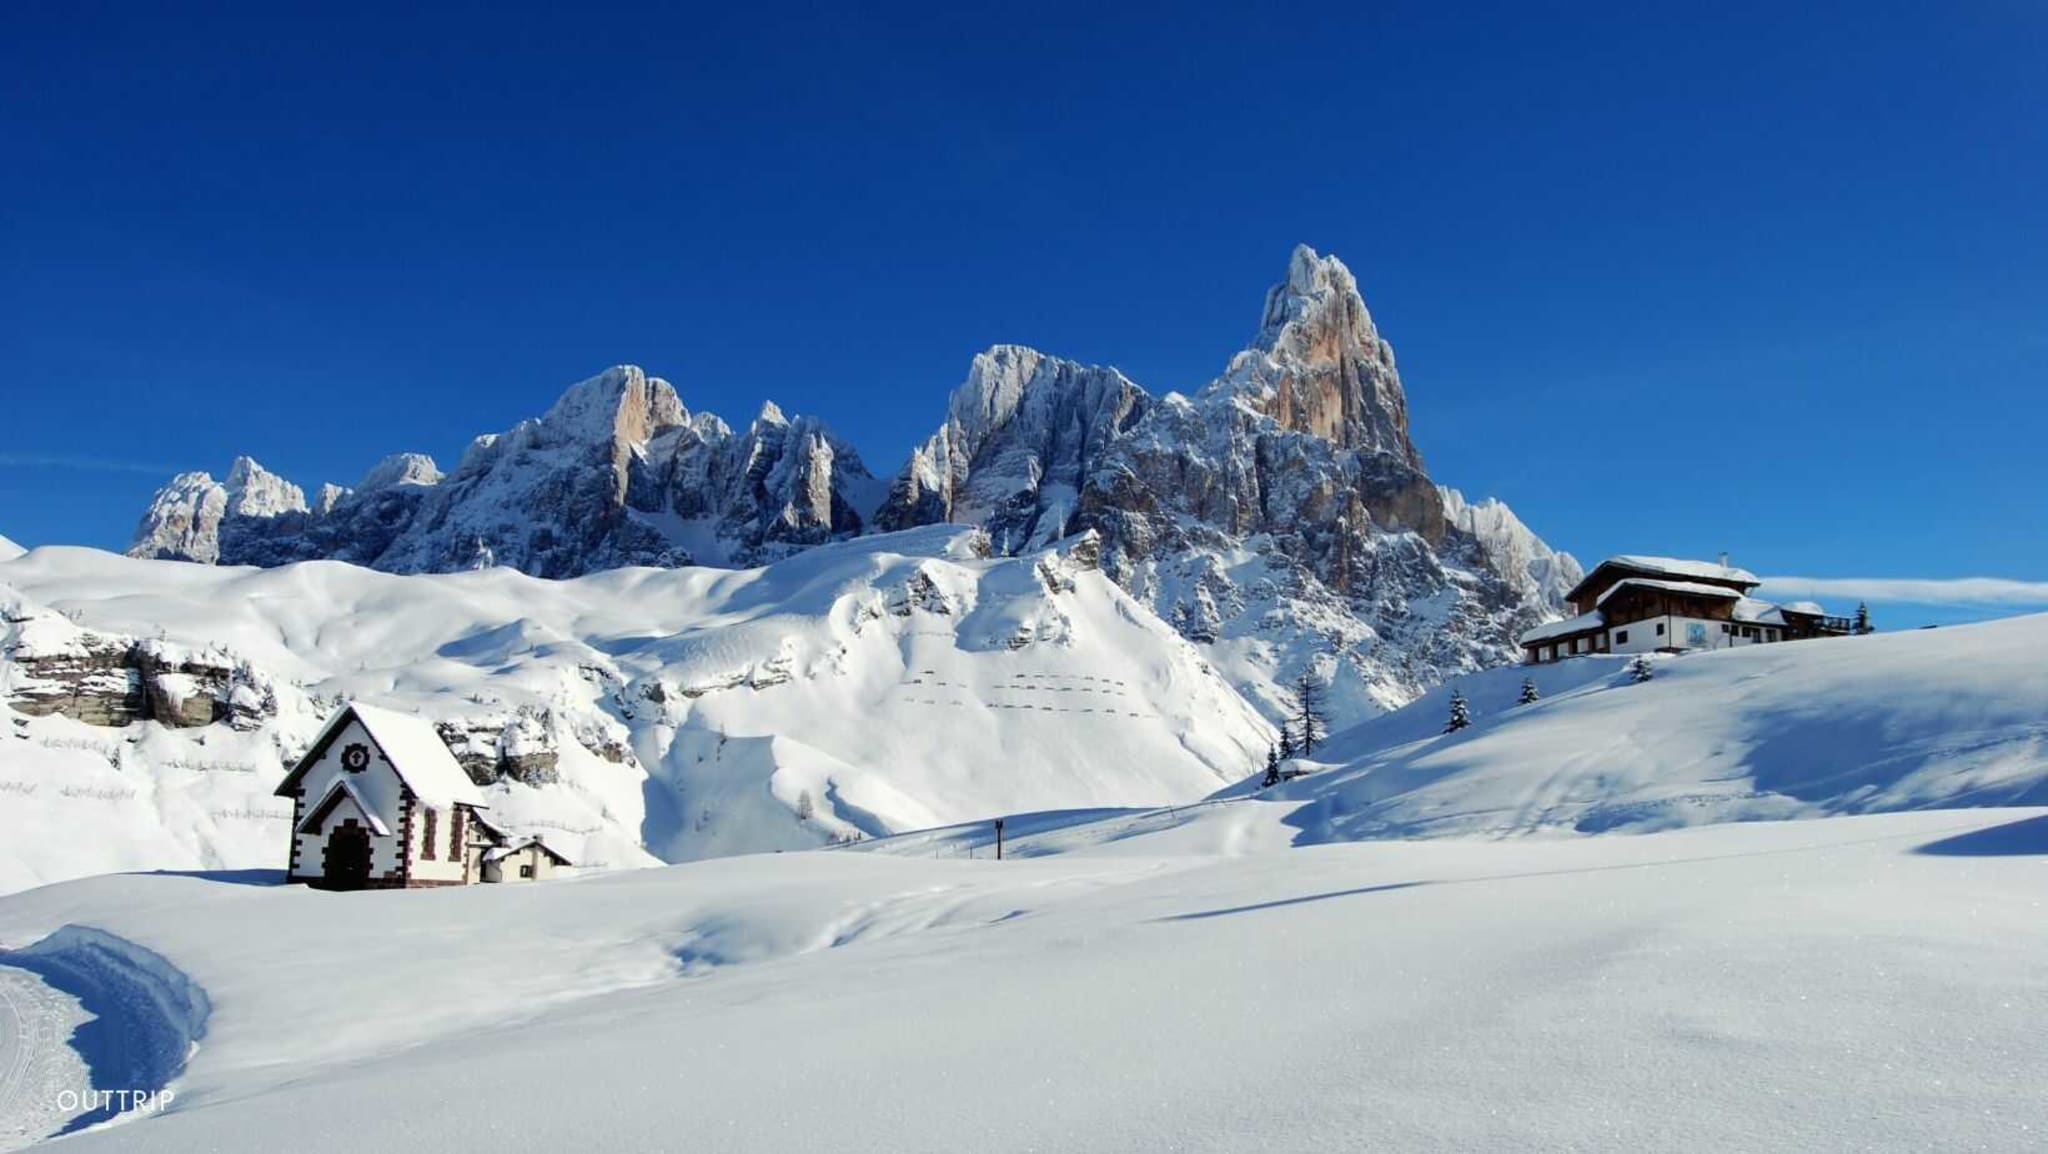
x=530, y=860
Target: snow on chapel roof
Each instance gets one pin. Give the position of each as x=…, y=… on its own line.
x=413, y=749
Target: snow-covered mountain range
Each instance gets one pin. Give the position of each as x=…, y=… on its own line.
x=1280, y=517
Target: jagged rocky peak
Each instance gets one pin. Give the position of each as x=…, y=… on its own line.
x=396, y=469
x=1021, y=436
x=1544, y=574
x=622, y=405
x=254, y=491
x=183, y=522
x=1319, y=366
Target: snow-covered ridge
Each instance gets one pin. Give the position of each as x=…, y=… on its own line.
x=148, y=708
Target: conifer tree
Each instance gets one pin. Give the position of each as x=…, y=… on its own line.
x=1308, y=712
x=805, y=808
x=1461, y=712
x=1862, y=625
x=1272, y=766
x=1529, y=694
x=1641, y=669
x=1286, y=741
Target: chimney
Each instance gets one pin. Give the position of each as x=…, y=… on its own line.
x=1724, y=558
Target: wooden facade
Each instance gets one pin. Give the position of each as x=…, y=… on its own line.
x=1669, y=605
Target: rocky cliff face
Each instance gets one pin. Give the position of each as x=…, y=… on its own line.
x=1280, y=516
x=617, y=473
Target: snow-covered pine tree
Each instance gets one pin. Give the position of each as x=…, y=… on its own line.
x=805, y=808
x=1461, y=712
x=1529, y=695
x=1286, y=741
x=1862, y=625
x=1272, y=767
x=1641, y=669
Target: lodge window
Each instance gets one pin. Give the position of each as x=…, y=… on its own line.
x=526, y=871
x=1660, y=629
x=1621, y=638
x=427, y=851
x=1725, y=629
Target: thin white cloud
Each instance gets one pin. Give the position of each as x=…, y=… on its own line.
x=1915, y=590
x=85, y=464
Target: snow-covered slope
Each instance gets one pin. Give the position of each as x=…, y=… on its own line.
x=1856, y=983
x=888, y=683
x=1948, y=717
x=9, y=550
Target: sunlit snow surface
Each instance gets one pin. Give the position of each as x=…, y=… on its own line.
x=1848, y=983
x=1235, y=973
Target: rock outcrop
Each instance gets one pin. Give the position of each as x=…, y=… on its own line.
x=109, y=680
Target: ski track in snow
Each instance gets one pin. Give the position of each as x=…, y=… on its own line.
x=36, y=1063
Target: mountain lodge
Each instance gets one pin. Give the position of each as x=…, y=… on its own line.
x=1636, y=604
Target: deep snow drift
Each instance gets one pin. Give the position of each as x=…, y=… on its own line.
x=889, y=683
x=1947, y=717
x=1849, y=983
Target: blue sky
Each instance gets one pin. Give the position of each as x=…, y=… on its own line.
x=1769, y=282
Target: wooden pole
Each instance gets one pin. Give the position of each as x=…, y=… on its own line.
x=999, y=839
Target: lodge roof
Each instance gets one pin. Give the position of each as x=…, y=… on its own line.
x=1570, y=625
x=1673, y=568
